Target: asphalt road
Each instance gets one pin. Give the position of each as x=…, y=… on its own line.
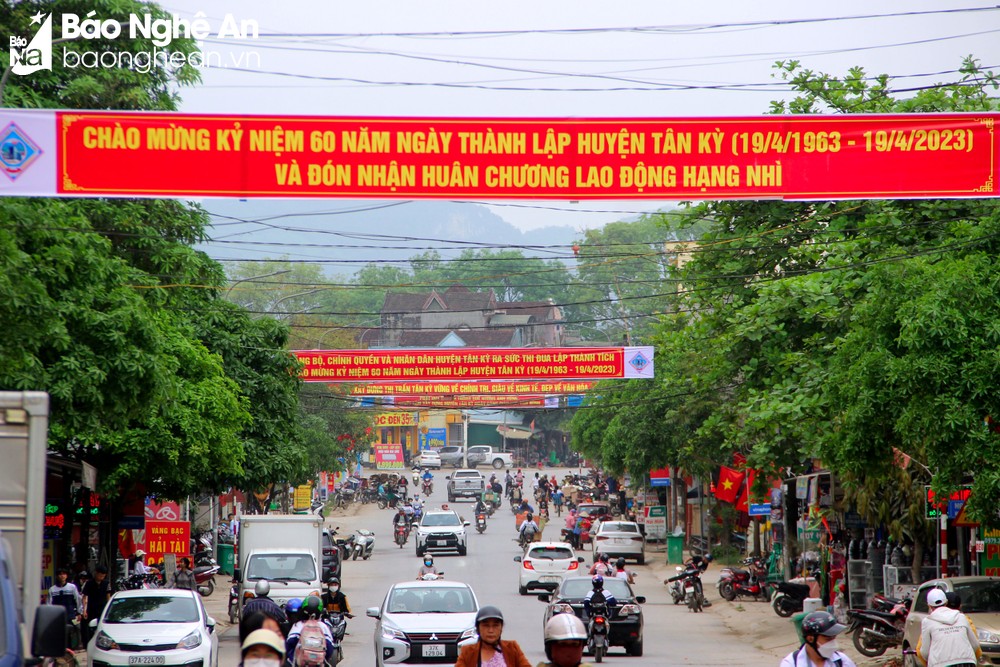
x=673, y=635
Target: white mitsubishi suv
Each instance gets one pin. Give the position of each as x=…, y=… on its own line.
x=441, y=530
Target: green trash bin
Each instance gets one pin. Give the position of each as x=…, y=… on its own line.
x=675, y=549
x=226, y=559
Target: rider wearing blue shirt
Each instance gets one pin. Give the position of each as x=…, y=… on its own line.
x=597, y=595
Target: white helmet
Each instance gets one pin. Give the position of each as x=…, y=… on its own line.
x=563, y=627
x=262, y=588
x=936, y=598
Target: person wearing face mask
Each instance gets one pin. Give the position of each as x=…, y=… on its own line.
x=820, y=630
x=263, y=648
x=335, y=600
x=490, y=650
x=947, y=637
x=427, y=567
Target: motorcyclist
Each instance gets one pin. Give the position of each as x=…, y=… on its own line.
x=334, y=599
x=402, y=486
x=428, y=567
x=262, y=603
x=701, y=564
x=820, y=630
x=516, y=495
x=525, y=507
x=491, y=649
x=602, y=567
x=622, y=573
x=428, y=476
x=508, y=483
x=565, y=639
x=489, y=496
x=312, y=608
x=597, y=595
x=528, y=529
x=480, y=505
x=400, y=519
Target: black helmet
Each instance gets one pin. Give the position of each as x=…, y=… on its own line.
x=605, y=558
x=529, y=516
x=821, y=623
x=312, y=606
x=487, y=612
x=708, y=557
x=620, y=563
x=333, y=581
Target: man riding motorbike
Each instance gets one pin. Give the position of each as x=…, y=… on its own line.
x=427, y=567
x=597, y=595
x=565, y=639
x=334, y=599
x=526, y=533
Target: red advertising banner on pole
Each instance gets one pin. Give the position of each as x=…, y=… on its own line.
x=594, y=363
x=410, y=389
x=389, y=457
x=135, y=154
x=167, y=537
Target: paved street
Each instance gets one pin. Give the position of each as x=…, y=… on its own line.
x=673, y=636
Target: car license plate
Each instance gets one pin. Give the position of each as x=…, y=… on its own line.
x=433, y=650
x=147, y=660
x=621, y=540
x=550, y=580
x=439, y=542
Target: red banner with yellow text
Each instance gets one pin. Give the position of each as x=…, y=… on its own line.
x=410, y=389
x=593, y=363
x=460, y=401
x=134, y=154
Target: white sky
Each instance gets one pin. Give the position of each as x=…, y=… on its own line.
x=476, y=68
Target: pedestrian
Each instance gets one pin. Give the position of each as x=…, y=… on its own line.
x=490, y=650
x=65, y=594
x=263, y=648
x=95, y=595
x=184, y=577
x=565, y=639
x=820, y=649
x=947, y=637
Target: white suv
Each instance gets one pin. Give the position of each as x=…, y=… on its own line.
x=441, y=530
x=545, y=565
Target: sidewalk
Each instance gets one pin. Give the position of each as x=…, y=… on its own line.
x=753, y=621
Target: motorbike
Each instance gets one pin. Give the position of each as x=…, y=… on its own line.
x=428, y=487
x=676, y=587
x=416, y=479
x=481, y=522
x=789, y=598
x=875, y=632
x=400, y=534
x=597, y=630
x=337, y=623
x=201, y=547
x=430, y=576
x=735, y=582
x=234, y=602
x=204, y=578
x=364, y=544
x=137, y=582
x=688, y=579
x=317, y=507
x=346, y=546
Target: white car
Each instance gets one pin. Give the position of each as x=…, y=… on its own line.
x=159, y=626
x=441, y=530
x=424, y=621
x=429, y=459
x=620, y=539
x=545, y=565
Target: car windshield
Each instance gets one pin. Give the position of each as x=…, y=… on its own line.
x=979, y=596
x=578, y=588
x=431, y=600
x=281, y=567
x=153, y=609
x=619, y=527
x=448, y=519
x=551, y=553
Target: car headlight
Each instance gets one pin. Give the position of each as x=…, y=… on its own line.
x=468, y=634
x=988, y=637
x=629, y=609
x=106, y=643
x=392, y=632
x=562, y=609
x=193, y=640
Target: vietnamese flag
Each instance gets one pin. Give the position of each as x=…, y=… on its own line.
x=728, y=487
x=744, y=499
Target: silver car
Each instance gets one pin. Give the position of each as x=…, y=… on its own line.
x=424, y=622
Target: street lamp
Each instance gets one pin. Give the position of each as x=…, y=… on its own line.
x=266, y=275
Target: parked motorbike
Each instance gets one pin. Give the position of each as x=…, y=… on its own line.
x=400, y=534
x=137, y=582
x=789, y=598
x=345, y=545
x=481, y=522
x=597, y=630
x=201, y=547
x=234, y=602
x=875, y=632
x=428, y=487
x=736, y=582
x=204, y=577
x=317, y=507
x=364, y=544
x=689, y=580
x=676, y=587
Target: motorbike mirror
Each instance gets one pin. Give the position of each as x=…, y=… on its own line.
x=236, y=574
x=641, y=599
x=579, y=559
x=517, y=559
x=447, y=476
x=544, y=597
x=373, y=612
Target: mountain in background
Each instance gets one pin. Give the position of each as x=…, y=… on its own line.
x=257, y=229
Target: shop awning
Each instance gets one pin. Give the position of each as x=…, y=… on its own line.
x=513, y=433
